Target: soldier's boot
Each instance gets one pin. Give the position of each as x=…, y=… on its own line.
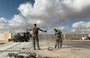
x=34, y=47
x=38, y=47
x=60, y=45
x=56, y=45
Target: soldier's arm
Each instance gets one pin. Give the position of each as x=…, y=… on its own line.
x=42, y=30
x=30, y=29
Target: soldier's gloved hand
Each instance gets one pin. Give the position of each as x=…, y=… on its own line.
x=45, y=31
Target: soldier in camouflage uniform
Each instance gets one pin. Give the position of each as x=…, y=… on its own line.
x=27, y=35
x=58, y=34
x=35, y=31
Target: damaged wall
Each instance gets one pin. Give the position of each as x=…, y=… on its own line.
x=5, y=35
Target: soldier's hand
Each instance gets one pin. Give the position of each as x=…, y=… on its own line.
x=45, y=31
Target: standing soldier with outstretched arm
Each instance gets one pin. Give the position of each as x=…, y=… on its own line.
x=35, y=30
x=58, y=33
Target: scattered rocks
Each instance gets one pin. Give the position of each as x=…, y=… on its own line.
x=19, y=55
x=50, y=48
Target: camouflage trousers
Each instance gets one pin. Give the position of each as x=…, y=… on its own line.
x=58, y=43
x=35, y=42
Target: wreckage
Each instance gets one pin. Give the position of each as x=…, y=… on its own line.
x=21, y=37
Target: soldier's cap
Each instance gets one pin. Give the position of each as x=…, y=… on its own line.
x=34, y=24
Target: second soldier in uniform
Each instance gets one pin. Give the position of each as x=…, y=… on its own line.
x=27, y=35
x=58, y=34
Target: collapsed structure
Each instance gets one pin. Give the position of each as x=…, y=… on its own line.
x=5, y=36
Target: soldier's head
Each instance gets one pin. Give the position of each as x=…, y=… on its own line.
x=35, y=25
x=55, y=30
x=27, y=30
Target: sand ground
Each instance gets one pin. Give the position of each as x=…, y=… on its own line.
x=64, y=52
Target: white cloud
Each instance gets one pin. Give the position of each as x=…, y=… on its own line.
x=25, y=9
x=81, y=27
x=50, y=12
x=81, y=24
x=3, y=23
x=76, y=8
x=77, y=4
x=43, y=10
x=16, y=21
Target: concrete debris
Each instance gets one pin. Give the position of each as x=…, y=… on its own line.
x=21, y=55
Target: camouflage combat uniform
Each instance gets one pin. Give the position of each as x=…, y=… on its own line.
x=59, y=39
x=35, y=31
x=27, y=36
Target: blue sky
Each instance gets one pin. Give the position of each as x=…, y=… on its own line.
x=8, y=8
